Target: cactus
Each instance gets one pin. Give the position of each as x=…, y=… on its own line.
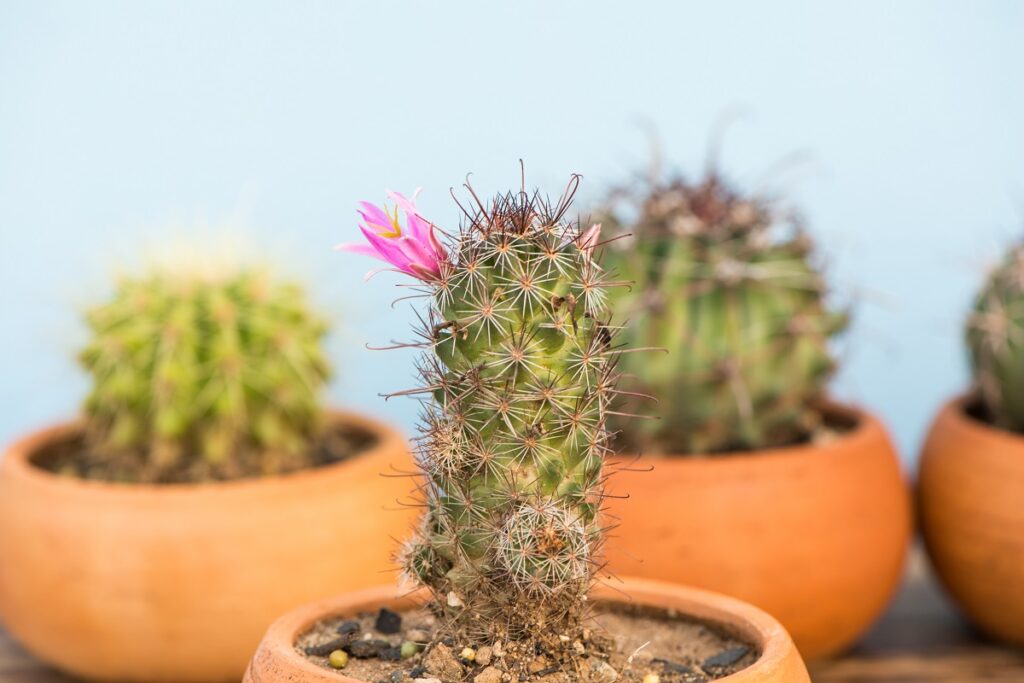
x=740, y=311
x=517, y=372
x=995, y=340
x=203, y=378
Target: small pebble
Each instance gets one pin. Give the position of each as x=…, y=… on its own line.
x=443, y=663
x=397, y=676
x=538, y=665
x=409, y=649
x=468, y=654
x=388, y=621
x=366, y=649
x=604, y=672
x=483, y=655
x=327, y=648
x=391, y=654
x=488, y=675
x=338, y=659
x=417, y=635
x=674, y=667
x=652, y=678
x=346, y=628
x=726, y=657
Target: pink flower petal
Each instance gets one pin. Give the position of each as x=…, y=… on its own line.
x=387, y=248
x=359, y=248
x=419, y=254
x=376, y=216
x=415, y=250
x=435, y=244
x=405, y=204
x=418, y=227
x=589, y=239
x=422, y=273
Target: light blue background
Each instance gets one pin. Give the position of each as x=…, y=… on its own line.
x=123, y=125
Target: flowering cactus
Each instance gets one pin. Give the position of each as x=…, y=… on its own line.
x=203, y=378
x=517, y=374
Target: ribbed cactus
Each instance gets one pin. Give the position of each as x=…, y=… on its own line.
x=203, y=378
x=517, y=374
x=995, y=339
x=740, y=312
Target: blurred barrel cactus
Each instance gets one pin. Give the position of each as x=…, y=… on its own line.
x=739, y=307
x=517, y=374
x=995, y=340
x=198, y=377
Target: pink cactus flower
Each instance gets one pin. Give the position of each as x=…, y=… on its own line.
x=414, y=249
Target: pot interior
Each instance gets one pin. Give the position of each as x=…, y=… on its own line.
x=64, y=450
x=634, y=640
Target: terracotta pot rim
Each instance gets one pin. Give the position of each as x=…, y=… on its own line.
x=729, y=614
x=17, y=461
x=866, y=428
x=955, y=411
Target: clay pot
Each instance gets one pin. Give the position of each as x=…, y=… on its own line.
x=971, y=502
x=276, y=659
x=178, y=582
x=815, y=535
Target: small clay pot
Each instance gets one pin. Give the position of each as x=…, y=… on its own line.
x=815, y=535
x=970, y=493
x=122, y=582
x=276, y=660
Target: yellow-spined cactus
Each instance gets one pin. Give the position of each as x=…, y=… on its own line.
x=199, y=377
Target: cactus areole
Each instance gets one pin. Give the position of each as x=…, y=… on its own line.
x=737, y=308
x=518, y=369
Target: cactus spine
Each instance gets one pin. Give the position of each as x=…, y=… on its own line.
x=741, y=313
x=203, y=378
x=995, y=340
x=519, y=370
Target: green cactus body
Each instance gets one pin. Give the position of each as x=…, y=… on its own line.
x=995, y=340
x=519, y=372
x=740, y=314
x=198, y=378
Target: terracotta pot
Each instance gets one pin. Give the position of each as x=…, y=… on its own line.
x=178, y=582
x=276, y=659
x=815, y=535
x=971, y=502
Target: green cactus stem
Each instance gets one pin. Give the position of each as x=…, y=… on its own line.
x=517, y=375
x=995, y=341
x=739, y=311
x=200, y=378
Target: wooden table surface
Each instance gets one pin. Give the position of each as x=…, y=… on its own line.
x=920, y=639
